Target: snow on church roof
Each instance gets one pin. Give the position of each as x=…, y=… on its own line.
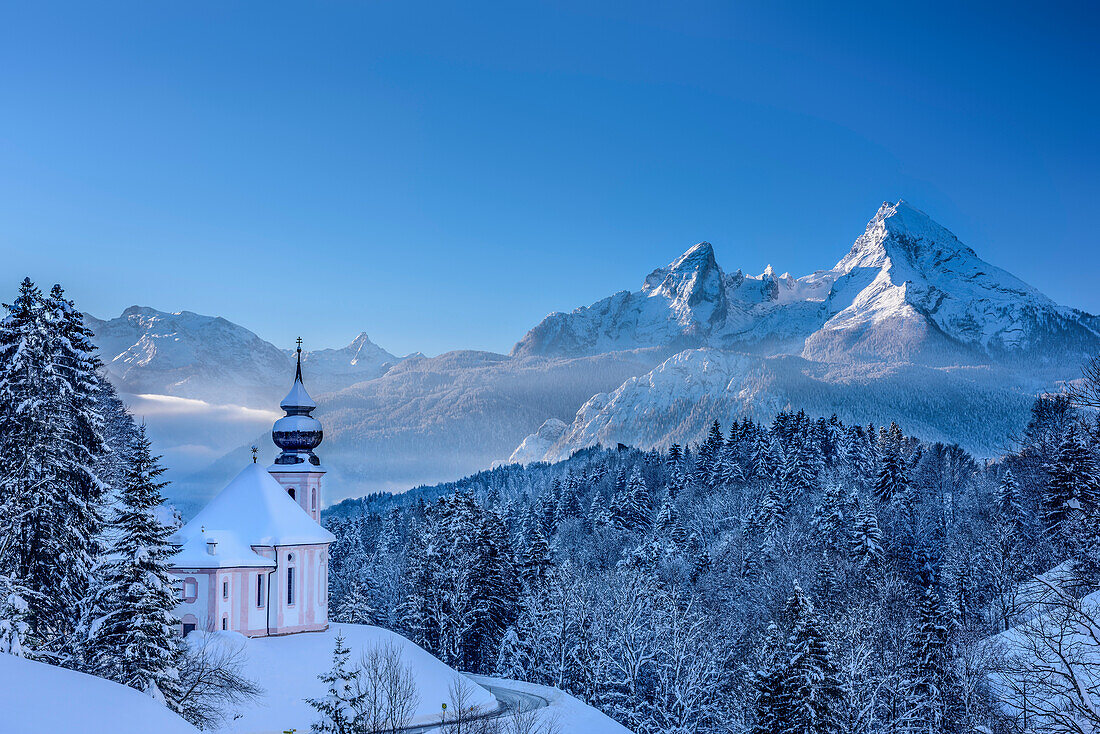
x=252, y=510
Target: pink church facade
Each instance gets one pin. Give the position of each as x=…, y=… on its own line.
x=255, y=559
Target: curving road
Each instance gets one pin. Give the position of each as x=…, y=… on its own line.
x=510, y=700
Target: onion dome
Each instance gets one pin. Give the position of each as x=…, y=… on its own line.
x=297, y=433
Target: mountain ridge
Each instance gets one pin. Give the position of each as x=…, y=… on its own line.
x=907, y=289
x=909, y=324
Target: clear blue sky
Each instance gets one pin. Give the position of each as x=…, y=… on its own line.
x=442, y=175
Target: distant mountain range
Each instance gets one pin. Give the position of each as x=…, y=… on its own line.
x=910, y=325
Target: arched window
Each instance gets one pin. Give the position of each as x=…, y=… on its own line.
x=260, y=589
x=291, y=492
x=225, y=588
x=290, y=586
x=314, y=506
x=322, y=583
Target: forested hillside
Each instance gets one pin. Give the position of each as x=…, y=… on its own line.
x=802, y=575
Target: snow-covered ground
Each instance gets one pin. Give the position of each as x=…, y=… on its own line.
x=287, y=669
x=36, y=698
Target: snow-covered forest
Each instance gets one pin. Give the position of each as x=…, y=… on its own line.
x=798, y=576
x=84, y=533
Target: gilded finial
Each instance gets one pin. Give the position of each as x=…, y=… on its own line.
x=255, y=453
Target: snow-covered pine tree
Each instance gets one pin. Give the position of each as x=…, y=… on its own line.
x=133, y=637
x=634, y=514
x=1072, y=492
x=935, y=683
x=535, y=562
x=339, y=707
x=669, y=525
x=354, y=605
x=829, y=520
x=769, y=710
x=810, y=694
x=77, y=389
x=865, y=546
x=13, y=617
x=892, y=481
x=34, y=498
x=1008, y=500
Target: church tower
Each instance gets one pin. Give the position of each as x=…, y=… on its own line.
x=298, y=433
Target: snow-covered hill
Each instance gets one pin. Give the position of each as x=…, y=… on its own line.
x=907, y=291
x=980, y=407
x=287, y=668
x=36, y=698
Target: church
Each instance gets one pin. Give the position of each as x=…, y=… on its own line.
x=255, y=559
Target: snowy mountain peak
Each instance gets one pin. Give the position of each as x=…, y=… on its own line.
x=901, y=232
x=908, y=289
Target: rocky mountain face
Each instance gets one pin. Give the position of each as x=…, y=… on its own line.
x=907, y=291
x=910, y=325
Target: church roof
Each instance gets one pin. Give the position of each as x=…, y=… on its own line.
x=252, y=510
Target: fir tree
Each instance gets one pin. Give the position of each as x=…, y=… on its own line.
x=633, y=513
x=340, y=707
x=769, y=707
x=1008, y=500
x=133, y=637
x=865, y=548
x=934, y=680
x=535, y=562
x=1072, y=491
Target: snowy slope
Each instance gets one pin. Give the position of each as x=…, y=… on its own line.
x=979, y=407
x=36, y=698
x=907, y=291
x=287, y=668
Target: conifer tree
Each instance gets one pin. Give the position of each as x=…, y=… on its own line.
x=1072, y=491
x=769, y=709
x=668, y=523
x=892, y=481
x=535, y=563
x=934, y=680
x=50, y=495
x=632, y=508
x=866, y=542
x=340, y=706
x=133, y=637
x=1008, y=501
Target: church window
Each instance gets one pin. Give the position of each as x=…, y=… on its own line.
x=314, y=506
x=190, y=590
x=188, y=628
x=259, y=589
x=322, y=575
x=290, y=585
x=225, y=623
x=291, y=492
x=225, y=588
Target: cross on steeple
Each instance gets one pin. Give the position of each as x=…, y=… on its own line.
x=298, y=371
